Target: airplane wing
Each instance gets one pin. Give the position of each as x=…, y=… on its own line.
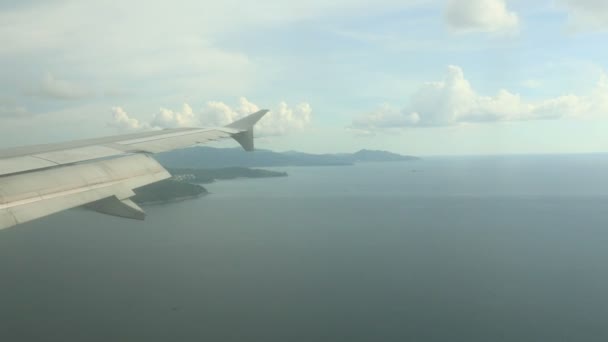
x=100, y=173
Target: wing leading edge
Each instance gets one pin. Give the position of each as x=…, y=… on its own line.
x=101, y=173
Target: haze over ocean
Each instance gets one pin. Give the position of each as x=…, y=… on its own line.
x=444, y=249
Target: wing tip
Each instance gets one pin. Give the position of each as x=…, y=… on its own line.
x=245, y=126
x=249, y=121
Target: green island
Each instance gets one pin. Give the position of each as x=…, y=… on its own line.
x=185, y=183
x=168, y=190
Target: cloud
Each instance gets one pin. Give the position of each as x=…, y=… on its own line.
x=278, y=121
x=481, y=16
x=167, y=118
x=121, y=120
x=218, y=113
x=119, y=46
x=285, y=119
x=586, y=14
x=454, y=101
x=51, y=87
x=63, y=23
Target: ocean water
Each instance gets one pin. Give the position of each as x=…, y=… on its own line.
x=445, y=249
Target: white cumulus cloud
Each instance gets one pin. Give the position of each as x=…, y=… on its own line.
x=454, y=101
x=218, y=113
x=122, y=120
x=167, y=118
x=278, y=121
x=481, y=16
x=284, y=119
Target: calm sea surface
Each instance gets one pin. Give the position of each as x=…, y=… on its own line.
x=445, y=249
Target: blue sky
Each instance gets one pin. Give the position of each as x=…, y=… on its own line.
x=420, y=77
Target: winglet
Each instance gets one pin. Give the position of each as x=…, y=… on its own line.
x=247, y=122
x=245, y=126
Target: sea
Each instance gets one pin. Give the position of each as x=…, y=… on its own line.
x=479, y=248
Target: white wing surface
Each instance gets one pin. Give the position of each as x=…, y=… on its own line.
x=101, y=173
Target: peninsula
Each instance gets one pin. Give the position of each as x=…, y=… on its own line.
x=185, y=183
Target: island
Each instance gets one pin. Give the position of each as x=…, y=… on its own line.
x=203, y=165
x=185, y=183
x=168, y=190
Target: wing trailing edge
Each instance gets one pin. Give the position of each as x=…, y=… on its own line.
x=25, y=197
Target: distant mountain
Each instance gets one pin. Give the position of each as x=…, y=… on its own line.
x=378, y=156
x=209, y=157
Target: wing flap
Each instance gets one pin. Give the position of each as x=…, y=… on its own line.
x=25, y=197
x=115, y=206
x=24, y=163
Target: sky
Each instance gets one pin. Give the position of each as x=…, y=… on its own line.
x=453, y=77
